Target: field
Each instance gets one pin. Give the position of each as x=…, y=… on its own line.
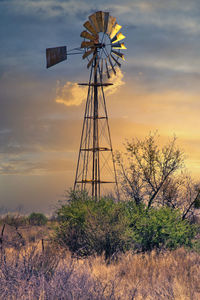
x=34, y=268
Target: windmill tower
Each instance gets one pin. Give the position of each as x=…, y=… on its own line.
x=102, y=48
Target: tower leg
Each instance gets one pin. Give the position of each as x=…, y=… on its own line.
x=95, y=167
x=95, y=138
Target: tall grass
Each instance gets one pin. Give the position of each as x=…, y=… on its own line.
x=32, y=270
x=29, y=273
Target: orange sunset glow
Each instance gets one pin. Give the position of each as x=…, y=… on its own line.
x=156, y=90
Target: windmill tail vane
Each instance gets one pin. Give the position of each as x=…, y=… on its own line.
x=101, y=47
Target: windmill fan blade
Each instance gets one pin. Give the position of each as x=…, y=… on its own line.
x=93, y=20
x=87, y=35
x=55, y=55
x=116, y=61
x=87, y=53
x=118, y=38
x=111, y=23
x=87, y=44
x=119, y=46
x=106, y=19
x=96, y=65
x=118, y=54
x=112, y=65
x=107, y=68
x=103, y=20
x=91, y=60
x=89, y=27
x=115, y=30
x=99, y=19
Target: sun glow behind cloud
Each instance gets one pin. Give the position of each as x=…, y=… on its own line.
x=72, y=94
x=40, y=123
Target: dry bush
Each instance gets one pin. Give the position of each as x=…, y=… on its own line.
x=31, y=274
x=168, y=275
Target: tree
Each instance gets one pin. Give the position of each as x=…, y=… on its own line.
x=182, y=192
x=150, y=174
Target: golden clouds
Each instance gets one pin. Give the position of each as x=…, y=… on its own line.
x=71, y=94
x=117, y=81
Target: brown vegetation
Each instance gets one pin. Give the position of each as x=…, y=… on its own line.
x=27, y=272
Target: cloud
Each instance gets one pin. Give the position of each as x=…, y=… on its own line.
x=117, y=81
x=32, y=164
x=38, y=137
x=50, y=8
x=71, y=94
x=160, y=14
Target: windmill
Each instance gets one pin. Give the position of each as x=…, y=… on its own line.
x=101, y=47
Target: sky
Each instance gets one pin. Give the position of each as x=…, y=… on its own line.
x=41, y=110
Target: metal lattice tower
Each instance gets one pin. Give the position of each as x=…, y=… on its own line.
x=95, y=147
x=95, y=166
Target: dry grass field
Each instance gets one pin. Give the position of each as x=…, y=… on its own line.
x=29, y=272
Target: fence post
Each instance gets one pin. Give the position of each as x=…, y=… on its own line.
x=42, y=245
x=1, y=237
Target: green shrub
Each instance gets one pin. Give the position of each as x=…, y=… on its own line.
x=37, y=219
x=89, y=227
x=159, y=228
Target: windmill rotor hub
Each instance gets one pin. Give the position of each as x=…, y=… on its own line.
x=102, y=42
x=99, y=45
